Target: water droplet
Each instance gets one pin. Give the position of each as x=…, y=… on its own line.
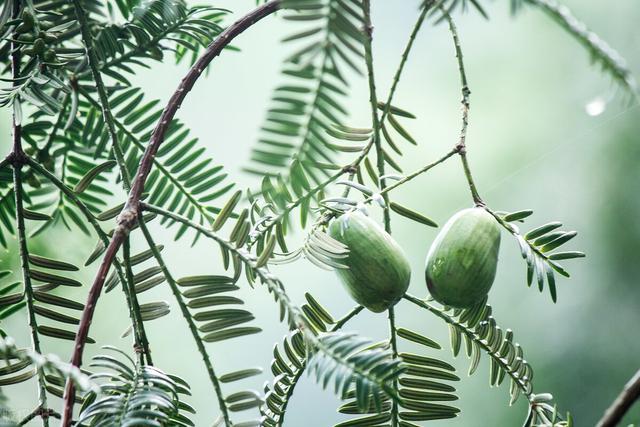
x=596, y=106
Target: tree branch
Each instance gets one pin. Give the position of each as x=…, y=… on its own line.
x=629, y=395
x=462, y=143
x=92, y=59
x=417, y=173
x=276, y=288
x=403, y=60
x=373, y=99
x=140, y=334
x=192, y=326
x=394, y=354
x=28, y=288
x=17, y=158
x=128, y=216
x=293, y=382
x=473, y=337
x=129, y=288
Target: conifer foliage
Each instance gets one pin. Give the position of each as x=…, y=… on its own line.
x=92, y=154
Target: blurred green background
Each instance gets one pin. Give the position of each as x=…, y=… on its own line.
x=531, y=145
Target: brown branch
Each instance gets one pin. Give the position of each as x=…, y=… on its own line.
x=128, y=217
x=629, y=395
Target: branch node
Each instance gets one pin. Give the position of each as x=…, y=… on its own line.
x=350, y=169
x=466, y=92
x=17, y=158
x=368, y=30
x=127, y=219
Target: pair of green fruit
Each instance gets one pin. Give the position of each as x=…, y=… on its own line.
x=461, y=263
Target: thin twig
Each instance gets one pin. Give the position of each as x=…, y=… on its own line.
x=206, y=358
x=373, y=100
x=394, y=354
x=92, y=60
x=129, y=215
x=293, y=381
x=472, y=336
x=28, y=287
x=134, y=307
x=17, y=158
x=39, y=412
x=403, y=60
x=138, y=326
x=140, y=337
x=464, y=85
x=416, y=173
x=629, y=395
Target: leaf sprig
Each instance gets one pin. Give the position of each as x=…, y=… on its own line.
x=539, y=249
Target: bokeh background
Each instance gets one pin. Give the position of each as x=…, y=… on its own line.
x=532, y=144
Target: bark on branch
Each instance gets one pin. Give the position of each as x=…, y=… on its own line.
x=622, y=404
x=128, y=217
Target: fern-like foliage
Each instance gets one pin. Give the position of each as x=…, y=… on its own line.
x=54, y=315
x=539, y=248
x=369, y=368
x=424, y=388
x=599, y=50
x=287, y=367
x=221, y=317
x=478, y=330
x=80, y=129
x=182, y=180
x=338, y=357
x=312, y=99
x=290, y=362
x=475, y=332
x=22, y=363
x=134, y=395
x=68, y=117
x=154, y=27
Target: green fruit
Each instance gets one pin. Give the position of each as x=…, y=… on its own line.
x=378, y=272
x=462, y=261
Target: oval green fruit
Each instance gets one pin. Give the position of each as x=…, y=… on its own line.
x=462, y=261
x=378, y=272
